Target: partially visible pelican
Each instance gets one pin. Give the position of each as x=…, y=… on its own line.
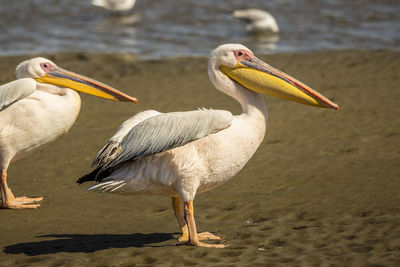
x=115, y=5
x=180, y=154
x=37, y=108
x=257, y=20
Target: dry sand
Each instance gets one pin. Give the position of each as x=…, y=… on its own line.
x=323, y=188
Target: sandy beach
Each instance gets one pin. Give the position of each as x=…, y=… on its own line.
x=322, y=189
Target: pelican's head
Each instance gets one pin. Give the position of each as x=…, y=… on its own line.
x=239, y=64
x=45, y=71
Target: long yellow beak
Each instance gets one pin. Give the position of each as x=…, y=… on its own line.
x=258, y=76
x=84, y=84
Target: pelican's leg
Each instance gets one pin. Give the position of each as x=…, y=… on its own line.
x=193, y=236
x=11, y=202
x=180, y=216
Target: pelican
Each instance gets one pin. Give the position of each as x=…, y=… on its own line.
x=257, y=20
x=37, y=108
x=115, y=5
x=181, y=154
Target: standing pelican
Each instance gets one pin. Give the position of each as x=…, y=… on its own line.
x=37, y=108
x=257, y=20
x=180, y=154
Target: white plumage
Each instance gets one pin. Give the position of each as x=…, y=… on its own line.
x=209, y=146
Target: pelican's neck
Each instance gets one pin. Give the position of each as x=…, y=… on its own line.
x=252, y=103
x=52, y=89
x=254, y=112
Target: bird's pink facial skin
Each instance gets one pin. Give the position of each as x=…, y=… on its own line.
x=243, y=55
x=47, y=66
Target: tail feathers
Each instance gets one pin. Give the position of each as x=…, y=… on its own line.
x=110, y=186
x=89, y=177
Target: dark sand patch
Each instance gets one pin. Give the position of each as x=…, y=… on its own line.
x=323, y=188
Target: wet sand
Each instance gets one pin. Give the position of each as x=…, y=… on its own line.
x=323, y=188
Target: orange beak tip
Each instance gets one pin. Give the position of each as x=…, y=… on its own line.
x=130, y=99
x=336, y=107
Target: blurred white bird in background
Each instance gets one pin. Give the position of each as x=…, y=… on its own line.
x=257, y=20
x=115, y=5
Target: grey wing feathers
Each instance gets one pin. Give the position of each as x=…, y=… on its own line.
x=16, y=90
x=113, y=147
x=166, y=131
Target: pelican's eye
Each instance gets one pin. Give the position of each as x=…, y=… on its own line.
x=47, y=66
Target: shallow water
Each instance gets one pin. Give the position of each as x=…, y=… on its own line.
x=164, y=28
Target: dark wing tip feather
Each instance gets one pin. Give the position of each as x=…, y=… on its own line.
x=96, y=175
x=89, y=177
